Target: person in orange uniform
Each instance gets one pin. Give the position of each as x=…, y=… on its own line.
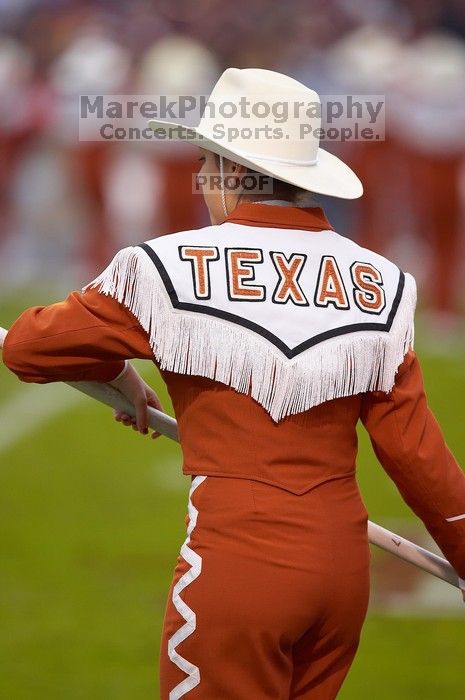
x=275, y=336
x=429, y=92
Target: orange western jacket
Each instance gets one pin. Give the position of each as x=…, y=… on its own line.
x=222, y=432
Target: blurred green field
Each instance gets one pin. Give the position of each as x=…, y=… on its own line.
x=92, y=518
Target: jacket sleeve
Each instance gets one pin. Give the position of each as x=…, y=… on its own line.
x=88, y=336
x=411, y=449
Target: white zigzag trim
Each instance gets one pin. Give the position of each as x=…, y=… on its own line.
x=184, y=610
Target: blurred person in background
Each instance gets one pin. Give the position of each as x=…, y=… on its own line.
x=92, y=64
x=428, y=124
x=18, y=122
x=177, y=65
x=363, y=62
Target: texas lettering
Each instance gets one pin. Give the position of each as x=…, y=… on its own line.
x=242, y=267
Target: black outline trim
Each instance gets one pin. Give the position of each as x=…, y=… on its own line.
x=288, y=352
x=362, y=291
x=245, y=265
x=192, y=262
x=294, y=279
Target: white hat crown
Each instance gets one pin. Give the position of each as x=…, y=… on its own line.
x=268, y=113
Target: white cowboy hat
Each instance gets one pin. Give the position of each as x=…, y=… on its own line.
x=294, y=156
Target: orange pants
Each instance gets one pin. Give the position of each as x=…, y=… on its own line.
x=269, y=593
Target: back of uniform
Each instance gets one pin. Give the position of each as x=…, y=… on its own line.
x=274, y=335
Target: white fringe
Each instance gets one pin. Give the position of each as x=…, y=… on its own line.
x=191, y=343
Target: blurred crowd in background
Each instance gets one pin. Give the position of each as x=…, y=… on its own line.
x=66, y=206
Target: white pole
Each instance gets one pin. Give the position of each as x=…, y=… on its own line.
x=110, y=396
x=413, y=553
x=389, y=541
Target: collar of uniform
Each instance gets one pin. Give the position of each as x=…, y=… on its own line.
x=277, y=216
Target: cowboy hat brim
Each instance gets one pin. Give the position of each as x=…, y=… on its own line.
x=329, y=175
